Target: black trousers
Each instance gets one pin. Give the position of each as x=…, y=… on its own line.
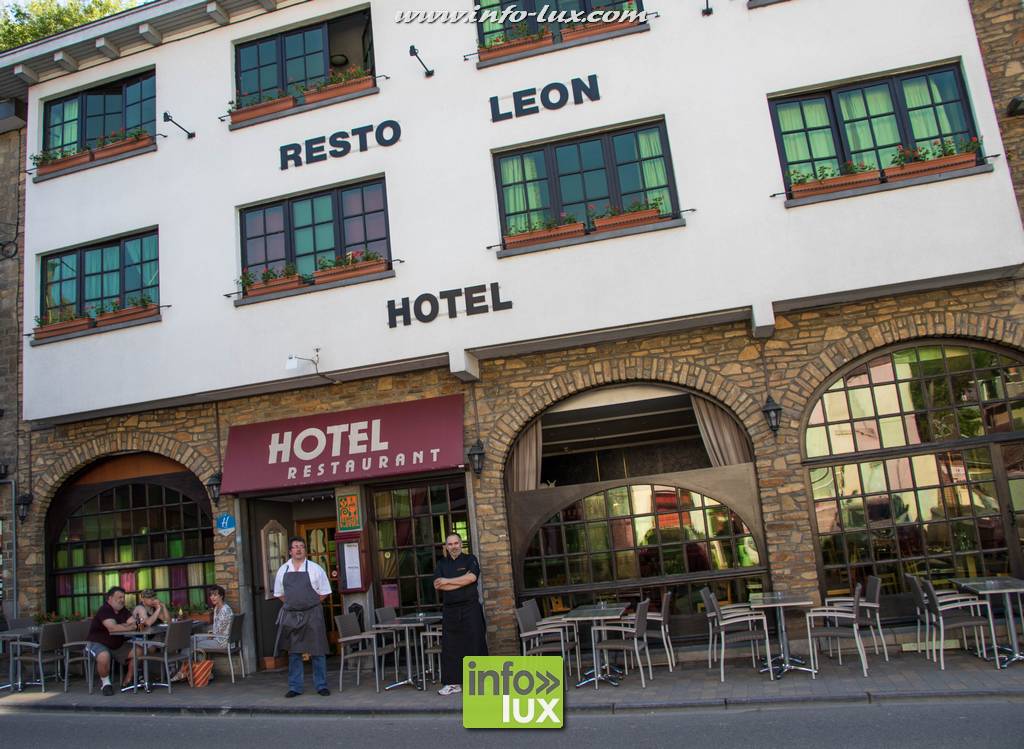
x=463, y=633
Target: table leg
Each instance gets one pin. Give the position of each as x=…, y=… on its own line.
x=1013, y=654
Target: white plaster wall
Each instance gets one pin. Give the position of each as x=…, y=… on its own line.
x=708, y=77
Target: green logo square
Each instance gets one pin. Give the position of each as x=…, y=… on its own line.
x=514, y=691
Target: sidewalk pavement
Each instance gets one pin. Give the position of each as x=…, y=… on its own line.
x=906, y=676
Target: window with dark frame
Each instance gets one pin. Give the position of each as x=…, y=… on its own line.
x=291, y=61
x=345, y=222
x=868, y=122
x=76, y=122
x=585, y=177
x=490, y=33
x=90, y=279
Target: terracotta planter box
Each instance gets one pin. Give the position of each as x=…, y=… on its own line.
x=122, y=146
x=68, y=161
x=275, y=284
x=338, y=89
x=621, y=221
x=126, y=314
x=271, y=663
x=60, y=328
x=835, y=184
x=593, y=29
x=203, y=618
x=545, y=235
x=514, y=47
x=349, y=271
x=258, y=110
x=934, y=166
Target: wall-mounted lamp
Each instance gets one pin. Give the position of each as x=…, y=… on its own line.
x=168, y=118
x=1016, y=107
x=413, y=52
x=707, y=10
x=3, y=470
x=476, y=455
x=292, y=362
x=213, y=487
x=772, y=413
x=23, y=503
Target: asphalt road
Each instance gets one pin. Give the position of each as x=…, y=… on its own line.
x=990, y=723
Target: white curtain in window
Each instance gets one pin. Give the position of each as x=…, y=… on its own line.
x=524, y=464
x=724, y=440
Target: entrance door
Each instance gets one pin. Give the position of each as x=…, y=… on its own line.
x=1011, y=466
x=270, y=526
x=319, y=535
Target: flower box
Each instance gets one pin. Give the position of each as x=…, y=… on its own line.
x=515, y=46
x=932, y=166
x=83, y=157
x=593, y=29
x=137, y=312
x=61, y=328
x=566, y=231
x=835, y=184
x=338, y=89
x=630, y=218
x=329, y=275
x=253, y=111
x=274, y=285
x=123, y=146
x=271, y=663
x=203, y=617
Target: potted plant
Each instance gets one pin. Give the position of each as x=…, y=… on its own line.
x=352, y=266
x=47, y=162
x=122, y=142
x=271, y=281
x=826, y=180
x=339, y=83
x=135, y=308
x=276, y=102
x=64, y=322
x=638, y=214
x=564, y=227
x=943, y=156
x=515, y=40
x=584, y=29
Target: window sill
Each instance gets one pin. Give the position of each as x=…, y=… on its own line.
x=95, y=163
x=923, y=180
x=761, y=3
x=310, y=288
x=96, y=331
x=558, y=44
x=594, y=237
x=300, y=108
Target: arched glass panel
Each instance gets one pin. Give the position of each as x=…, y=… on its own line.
x=137, y=536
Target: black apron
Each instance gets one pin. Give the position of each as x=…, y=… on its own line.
x=300, y=623
x=463, y=633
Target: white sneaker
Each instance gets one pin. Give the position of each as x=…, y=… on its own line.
x=449, y=689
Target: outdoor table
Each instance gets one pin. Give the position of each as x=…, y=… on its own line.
x=992, y=586
x=408, y=624
x=157, y=630
x=596, y=613
x=10, y=637
x=780, y=602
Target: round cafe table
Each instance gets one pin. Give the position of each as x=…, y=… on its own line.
x=780, y=602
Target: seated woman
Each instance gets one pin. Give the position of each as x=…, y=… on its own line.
x=222, y=615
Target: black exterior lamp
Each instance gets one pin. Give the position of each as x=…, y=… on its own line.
x=772, y=413
x=213, y=487
x=23, y=503
x=1016, y=107
x=476, y=457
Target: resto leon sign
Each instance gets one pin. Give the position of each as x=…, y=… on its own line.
x=390, y=440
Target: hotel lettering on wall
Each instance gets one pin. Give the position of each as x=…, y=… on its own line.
x=390, y=440
x=478, y=300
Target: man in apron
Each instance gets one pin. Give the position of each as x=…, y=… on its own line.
x=463, y=631
x=302, y=585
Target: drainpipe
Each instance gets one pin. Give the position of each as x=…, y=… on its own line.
x=13, y=483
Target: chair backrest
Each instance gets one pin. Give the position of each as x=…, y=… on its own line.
x=20, y=622
x=856, y=602
x=178, y=634
x=931, y=600
x=873, y=589
x=384, y=614
x=710, y=602
x=76, y=631
x=914, y=584
x=347, y=624
x=666, y=602
x=526, y=619
x=641, y=616
x=531, y=603
x=235, y=633
x=51, y=636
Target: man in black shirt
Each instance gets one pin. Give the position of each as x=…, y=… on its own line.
x=463, y=632
x=106, y=643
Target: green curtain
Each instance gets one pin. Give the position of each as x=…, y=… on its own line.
x=650, y=143
x=822, y=144
x=789, y=117
x=916, y=92
x=879, y=100
x=795, y=146
x=815, y=113
x=80, y=583
x=511, y=170
x=851, y=105
x=145, y=578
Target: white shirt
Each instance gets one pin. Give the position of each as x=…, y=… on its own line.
x=317, y=577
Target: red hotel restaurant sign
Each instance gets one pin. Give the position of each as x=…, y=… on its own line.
x=339, y=448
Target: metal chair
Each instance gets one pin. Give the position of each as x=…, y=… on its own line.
x=174, y=650
x=571, y=629
x=728, y=609
x=430, y=648
x=49, y=649
x=870, y=605
x=914, y=584
x=839, y=622
x=230, y=646
x=633, y=638
x=76, y=650
x=350, y=636
x=660, y=618
x=947, y=614
x=734, y=626
x=537, y=640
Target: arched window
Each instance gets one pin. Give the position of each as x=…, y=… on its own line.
x=914, y=466
x=137, y=535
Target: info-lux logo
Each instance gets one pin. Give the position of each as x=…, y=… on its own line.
x=512, y=691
